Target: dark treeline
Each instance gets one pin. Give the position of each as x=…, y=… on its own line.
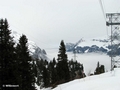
x=50, y=74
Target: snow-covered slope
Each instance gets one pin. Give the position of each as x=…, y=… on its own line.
x=106, y=81
x=34, y=50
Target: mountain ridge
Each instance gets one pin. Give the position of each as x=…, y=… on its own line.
x=90, y=46
x=34, y=51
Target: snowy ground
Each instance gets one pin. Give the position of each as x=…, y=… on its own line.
x=89, y=61
x=106, y=81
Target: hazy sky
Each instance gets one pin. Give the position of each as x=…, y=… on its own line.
x=47, y=22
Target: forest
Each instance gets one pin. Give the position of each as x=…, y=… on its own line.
x=19, y=71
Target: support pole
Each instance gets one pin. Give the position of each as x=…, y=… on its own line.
x=113, y=20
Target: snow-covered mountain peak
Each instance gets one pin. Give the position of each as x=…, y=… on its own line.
x=90, y=42
x=89, y=45
x=34, y=50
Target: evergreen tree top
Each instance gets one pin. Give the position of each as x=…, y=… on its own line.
x=62, y=47
x=62, y=52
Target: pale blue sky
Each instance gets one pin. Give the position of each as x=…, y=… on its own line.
x=47, y=22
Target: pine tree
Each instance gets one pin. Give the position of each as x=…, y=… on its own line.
x=76, y=70
x=26, y=74
x=40, y=65
x=72, y=69
x=102, y=69
x=97, y=71
x=46, y=79
x=62, y=65
x=7, y=56
x=52, y=71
